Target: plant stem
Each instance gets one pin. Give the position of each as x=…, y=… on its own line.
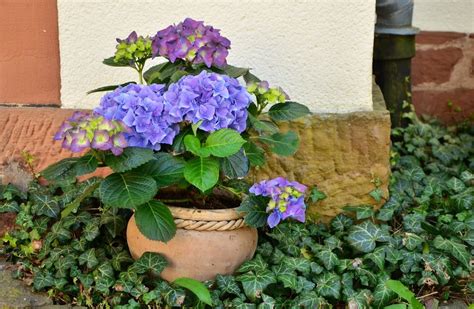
x=184, y=200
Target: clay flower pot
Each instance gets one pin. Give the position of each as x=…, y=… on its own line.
x=207, y=243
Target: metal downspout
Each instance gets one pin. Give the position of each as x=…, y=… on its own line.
x=394, y=46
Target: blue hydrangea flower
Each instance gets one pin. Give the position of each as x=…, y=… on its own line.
x=143, y=109
x=286, y=199
x=218, y=100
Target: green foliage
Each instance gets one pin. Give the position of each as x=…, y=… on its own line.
x=288, y=111
x=155, y=221
x=201, y=172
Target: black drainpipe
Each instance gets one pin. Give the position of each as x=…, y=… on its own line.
x=394, y=46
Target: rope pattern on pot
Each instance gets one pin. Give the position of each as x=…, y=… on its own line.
x=209, y=225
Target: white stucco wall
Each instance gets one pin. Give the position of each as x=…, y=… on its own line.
x=444, y=15
x=319, y=51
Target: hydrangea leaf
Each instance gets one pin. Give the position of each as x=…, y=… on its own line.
x=263, y=126
x=130, y=158
x=255, y=283
x=165, y=168
x=288, y=111
x=404, y=293
x=224, y=142
x=61, y=171
x=283, y=144
x=236, y=165
x=193, y=145
x=155, y=221
x=329, y=285
x=255, y=209
x=109, y=87
x=363, y=236
x=203, y=173
x=127, y=190
x=255, y=154
x=234, y=71
x=196, y=287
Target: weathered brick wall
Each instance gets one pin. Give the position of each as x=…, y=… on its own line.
x=443, y=72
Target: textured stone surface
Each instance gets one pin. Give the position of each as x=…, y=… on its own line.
x=437, y=37
x=435, y=65
x=342, y=154
x=15, y=294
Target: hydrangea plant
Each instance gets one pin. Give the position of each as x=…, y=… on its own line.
x=191, y=123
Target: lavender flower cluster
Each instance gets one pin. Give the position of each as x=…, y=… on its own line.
x=218, y=100
x=83, y=130
x=192, y=41
x=143, y=109
x=286, y=199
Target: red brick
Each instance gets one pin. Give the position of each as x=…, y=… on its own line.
x=29, y=53
x=31, y=129
x=435, y=103
x=437, y=38
x=435, y=65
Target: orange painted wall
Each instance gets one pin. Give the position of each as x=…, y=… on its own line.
x=29, y=52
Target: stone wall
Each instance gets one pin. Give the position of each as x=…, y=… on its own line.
x=443, y=75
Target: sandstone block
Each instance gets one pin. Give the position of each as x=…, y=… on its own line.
x=437, y=37
x=435, y=65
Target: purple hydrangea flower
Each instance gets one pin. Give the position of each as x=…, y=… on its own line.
x=143, y=109
x=192, y=41
x=218, y=100
x=83, y=130
x=286, y=199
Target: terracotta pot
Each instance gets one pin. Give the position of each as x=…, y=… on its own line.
x=196, y=254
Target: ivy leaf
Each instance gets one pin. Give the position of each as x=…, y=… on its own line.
x=254, y=208
x=377, y=256
x=377, y=194
x=203, y=173
x=467, y=176
x=456, y=184
x=255, y=154
x=382, y=295
x=362, y=211
x=45, y=205
x=361, y=299
x=454, y=248
x=165, y=168
x=89, y=258
x=155, y=221
x=150, y=261
x=310, y=300
x=300, y=264
x=327, y=258
x=256, y=264
x=268, y=302
x=341, y=222
x=236, y=165
x=120, y=258
x=9, y=206
x=283, y=144
x=196, y=287
x=288, y=111
x=315, y=195
x=227, y=284
x=104, y=277
x=255, y=283
x=91, y=230
x=114, y=223
x=127, y=190
x=42, y=279
x=412, y=241
x=224, y=142
x=329, y=285
x=464, y=200
x=130, y=158
x=363, y=236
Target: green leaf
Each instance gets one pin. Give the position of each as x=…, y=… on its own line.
x=404, y=293
x=310, y=300
x=327, y=258
x=10, y=206
x=263, y=126
x=150, y=261
x=62, y=170
x=203, y=173
x=363, y=236
x=377, y=256
x=89, y=188
x=111, y=62
x=155, y=221
x=42, y=279
x=257, y=264
x=198, y=289
x=396, y=306
x=165, y=168
x=109, y=88
x=130, y=158
x=193, y=145
x=254, y=208
x=255, y=154
x=45, y=205
x=235, y=72
x=315, y=195
x=283, y=144
x=362, y=211
x=329, y=285
x=382, y=295
x=127, y=190
x=224, y=142
x=235, y=166
x=255, y=283
x=154, y=71
x=377, y=194
x=228, y=284
x=288, y=111
x=456, y=184
x=176, y=76
x=454, y=248
x=362, y=299
x=89, y=258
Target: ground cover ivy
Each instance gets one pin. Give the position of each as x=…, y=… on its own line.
x=422, y=238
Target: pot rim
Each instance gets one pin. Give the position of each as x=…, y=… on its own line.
x=205, y=214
